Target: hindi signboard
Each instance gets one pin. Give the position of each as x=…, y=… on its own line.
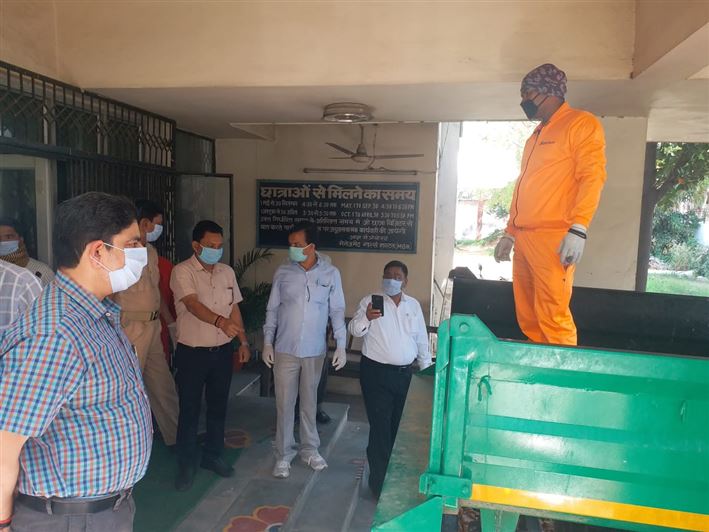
x=351, y=216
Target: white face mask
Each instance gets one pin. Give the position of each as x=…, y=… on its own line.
x=129, y=274
x=153, y=235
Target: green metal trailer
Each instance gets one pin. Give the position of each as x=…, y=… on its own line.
x=603, y=437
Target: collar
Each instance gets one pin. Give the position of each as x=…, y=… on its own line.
x=194, y=261
x=87, y=301
x=404, y=297
x=562, y=110
x=318, y=262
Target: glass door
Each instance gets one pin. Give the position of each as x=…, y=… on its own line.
x=203, y=197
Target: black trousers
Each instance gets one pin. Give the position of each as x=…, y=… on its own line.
x=384, y=390
x=202, y=370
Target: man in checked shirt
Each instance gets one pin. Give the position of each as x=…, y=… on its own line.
x=75, y=427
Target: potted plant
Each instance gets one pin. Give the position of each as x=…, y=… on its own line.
x=255, y=296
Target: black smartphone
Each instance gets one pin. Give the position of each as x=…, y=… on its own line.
x=378, y=303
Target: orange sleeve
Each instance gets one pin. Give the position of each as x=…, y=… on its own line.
x=589, y=148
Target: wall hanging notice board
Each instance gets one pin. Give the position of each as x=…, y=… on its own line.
x=351, y=216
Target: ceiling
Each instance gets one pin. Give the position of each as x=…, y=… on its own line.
x=677, y=112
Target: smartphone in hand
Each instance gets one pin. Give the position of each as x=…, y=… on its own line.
x=378, y=303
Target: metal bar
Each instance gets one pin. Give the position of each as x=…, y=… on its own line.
x=17, y=69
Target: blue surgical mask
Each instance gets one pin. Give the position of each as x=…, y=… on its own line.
x=391, y=287
x=153, y=235
x=211, y=255
x=297, y=254
x=9, y=246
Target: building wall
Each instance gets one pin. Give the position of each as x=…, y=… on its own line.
x=446, y=203
x=28, y=35
x=296, y=147
x=610, y=257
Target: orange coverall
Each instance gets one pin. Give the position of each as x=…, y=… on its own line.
x=562, y=175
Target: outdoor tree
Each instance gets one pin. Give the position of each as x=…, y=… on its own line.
x=674, y=173
x=500, y=200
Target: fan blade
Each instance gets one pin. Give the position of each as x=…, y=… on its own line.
x=402, y=156
x=340, y=157
x=340, y=148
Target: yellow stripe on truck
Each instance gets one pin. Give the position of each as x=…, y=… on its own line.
x=591, y=508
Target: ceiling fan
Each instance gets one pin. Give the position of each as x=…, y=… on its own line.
x=360, y=154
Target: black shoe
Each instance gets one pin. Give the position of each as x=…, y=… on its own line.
x=322, y=417
x=184, y=479
x=219, y=466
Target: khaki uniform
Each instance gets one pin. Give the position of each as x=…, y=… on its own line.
x=140, y=318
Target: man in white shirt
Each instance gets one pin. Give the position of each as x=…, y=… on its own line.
x=13, y=250
x=18, y=290
x=393, y=341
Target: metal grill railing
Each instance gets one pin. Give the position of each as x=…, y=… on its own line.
x=36, y=109
x=133, y=181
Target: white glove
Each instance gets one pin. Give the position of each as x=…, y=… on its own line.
x=571, y=247
x=339, y=359
x=504, y=248
x=172, y=331
x=267, y=355
x=423, y=364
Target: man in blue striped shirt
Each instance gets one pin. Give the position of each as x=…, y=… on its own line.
x=305, y=292
x=75, y=426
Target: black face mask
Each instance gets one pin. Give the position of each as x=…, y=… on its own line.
x=530, y=108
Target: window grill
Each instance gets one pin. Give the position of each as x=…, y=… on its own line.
x=35, y=109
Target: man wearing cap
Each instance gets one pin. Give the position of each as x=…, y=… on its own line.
x=555, y=198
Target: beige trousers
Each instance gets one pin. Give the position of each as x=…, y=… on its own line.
x=145, y=336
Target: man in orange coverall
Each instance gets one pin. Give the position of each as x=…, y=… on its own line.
x=557, y=192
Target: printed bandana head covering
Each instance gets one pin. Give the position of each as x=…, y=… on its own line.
x=546, y=79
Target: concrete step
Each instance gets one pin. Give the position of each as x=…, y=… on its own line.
x=329, y=504
x=351, y=369
x=343, y=385
x=253, y=489
x=244, y=382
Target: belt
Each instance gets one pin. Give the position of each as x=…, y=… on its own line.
x=401, y=369
x=140, y=316
x=212, y=349
x=59, y=506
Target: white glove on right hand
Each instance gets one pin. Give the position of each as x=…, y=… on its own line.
x=504, y=248
x=268, y=355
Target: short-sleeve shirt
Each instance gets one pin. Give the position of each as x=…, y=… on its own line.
x=217, y=290
x=69, y=380
x=40, y=270
x=18, y=289
x=143, y=296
